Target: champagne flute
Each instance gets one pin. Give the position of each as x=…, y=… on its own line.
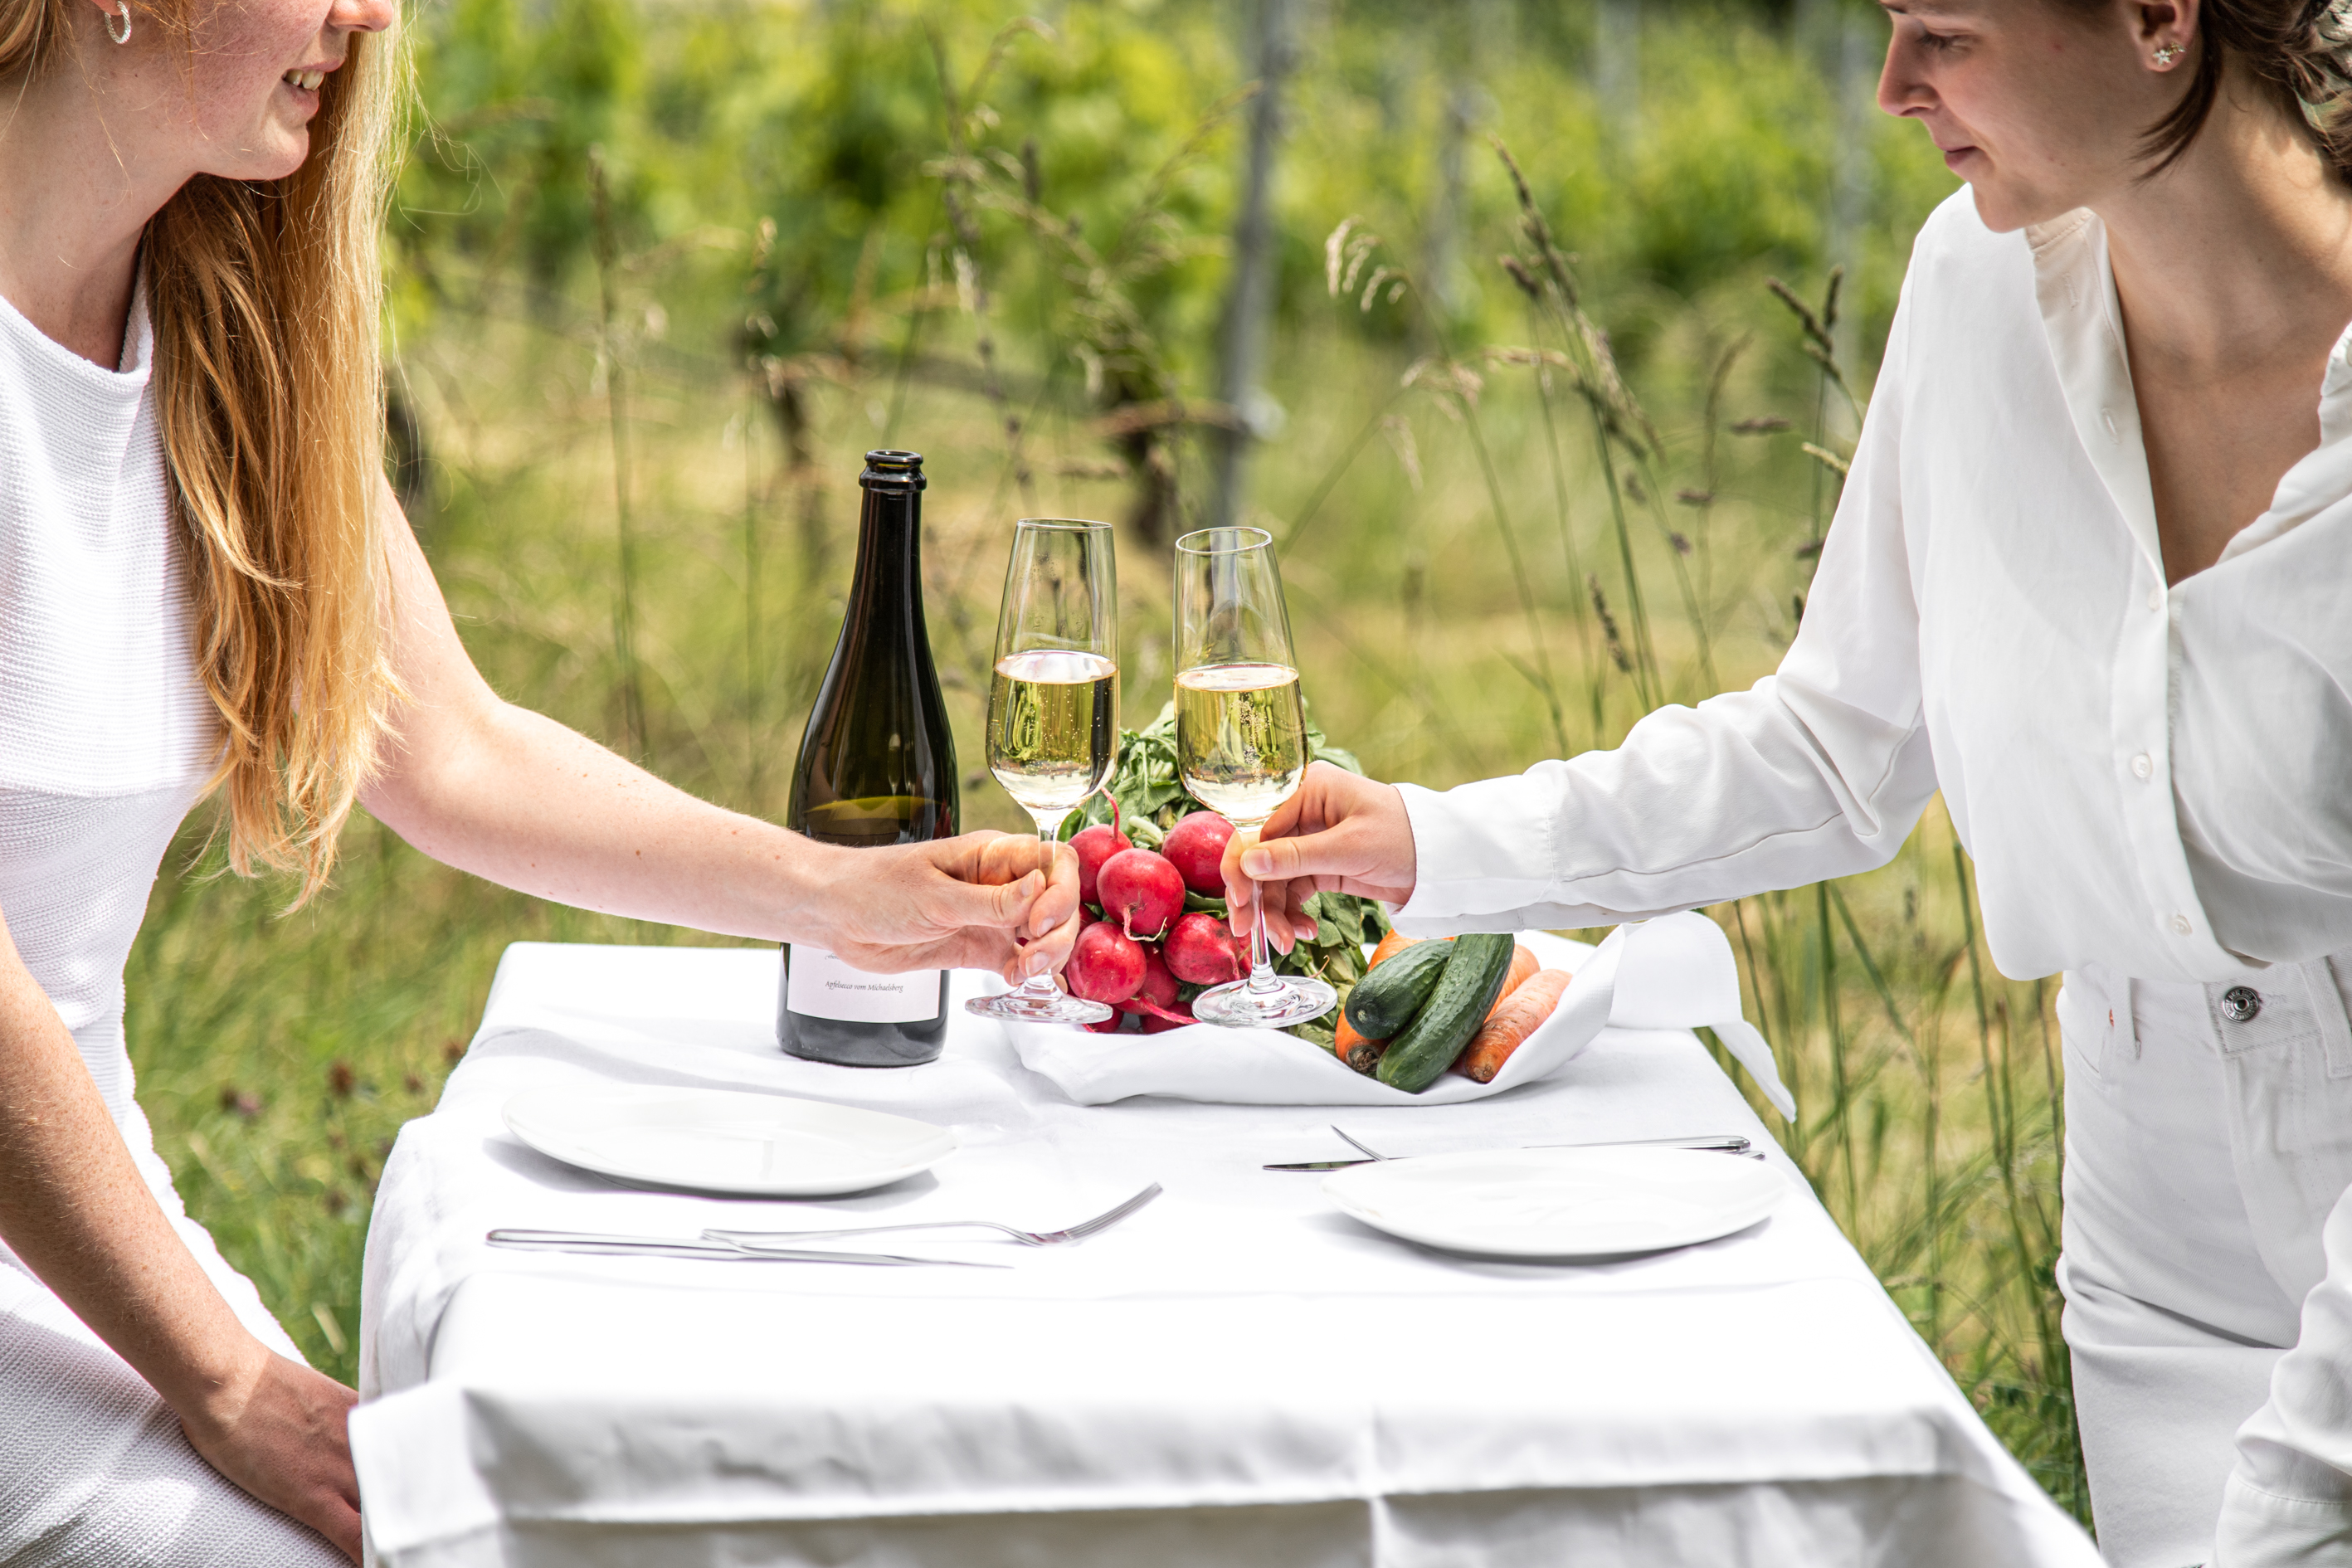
x=1241, y=732
x=1053, y=708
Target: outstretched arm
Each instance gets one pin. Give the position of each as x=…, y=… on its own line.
x=512, y=796
x=1818, y=771
x=73, y=1207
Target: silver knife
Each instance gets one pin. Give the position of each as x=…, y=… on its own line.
x=1719, y=1142
x=594, y=1245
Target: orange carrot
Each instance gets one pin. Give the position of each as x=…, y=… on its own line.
x=1510, y=1024
x=1396, y=942
x=1351, y=1047
x=1523, y=964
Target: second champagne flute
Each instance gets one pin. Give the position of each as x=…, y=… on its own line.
x=1053, y=708
x=1241, y=733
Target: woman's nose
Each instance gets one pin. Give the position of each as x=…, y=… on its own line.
x=363, y=16
x=1900, y=89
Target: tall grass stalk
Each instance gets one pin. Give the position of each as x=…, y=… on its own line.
x=616, y=401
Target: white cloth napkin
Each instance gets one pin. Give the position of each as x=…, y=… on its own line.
x=1673, y=972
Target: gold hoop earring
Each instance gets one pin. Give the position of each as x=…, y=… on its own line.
x=2165, y=55
x=123, y=37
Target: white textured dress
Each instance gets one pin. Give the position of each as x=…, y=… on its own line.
x=106, y=738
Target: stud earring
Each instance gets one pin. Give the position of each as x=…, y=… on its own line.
x=124, y=35
x=2165, y=55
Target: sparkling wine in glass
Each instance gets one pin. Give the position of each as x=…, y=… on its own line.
x=1053, y=708
x=1241, y=732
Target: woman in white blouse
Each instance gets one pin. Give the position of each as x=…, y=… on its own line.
x=205, y=586
x=2092, y=578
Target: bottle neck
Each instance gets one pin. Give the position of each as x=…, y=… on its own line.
x=888, y=583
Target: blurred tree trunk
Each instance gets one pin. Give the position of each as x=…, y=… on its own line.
x=1473, y=32
x=1249, y=299
x=1617, y=61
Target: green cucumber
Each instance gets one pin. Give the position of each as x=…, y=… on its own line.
x=1465, y=993
x=1385, y=1001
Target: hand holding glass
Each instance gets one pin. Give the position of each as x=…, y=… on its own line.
x=1241, y=732
x=1053, y=707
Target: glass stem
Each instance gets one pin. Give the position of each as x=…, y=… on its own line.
x=1042, y=985
x=1261, y=978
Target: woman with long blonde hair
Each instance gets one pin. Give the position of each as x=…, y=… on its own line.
x=206, y=588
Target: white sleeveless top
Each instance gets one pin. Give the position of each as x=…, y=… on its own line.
x=106, y=735
x=106, y=739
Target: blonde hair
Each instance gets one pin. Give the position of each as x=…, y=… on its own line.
x=266, y=298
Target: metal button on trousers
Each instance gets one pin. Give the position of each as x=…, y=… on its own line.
x=2208, y=1135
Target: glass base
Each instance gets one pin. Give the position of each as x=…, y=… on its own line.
x=1295, y=999
x=1028, y=1006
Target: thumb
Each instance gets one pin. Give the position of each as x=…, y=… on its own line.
x=1003, y=907
x=1281, y=859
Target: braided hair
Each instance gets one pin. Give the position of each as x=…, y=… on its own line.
x=2299, y=50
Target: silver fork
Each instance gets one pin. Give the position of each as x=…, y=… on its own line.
x=760, y=1240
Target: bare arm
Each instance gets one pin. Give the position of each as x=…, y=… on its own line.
x=512, y=796
x=74, y=1207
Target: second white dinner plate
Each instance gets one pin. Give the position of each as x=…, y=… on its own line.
x=724, y=1141
x=1560, y=1203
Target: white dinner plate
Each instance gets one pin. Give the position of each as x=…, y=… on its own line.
x=1560, y=1203
x=720, y=1141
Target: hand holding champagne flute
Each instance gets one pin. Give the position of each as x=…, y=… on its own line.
x=1340, y=832
x=1053, y=707
x=1241, y=732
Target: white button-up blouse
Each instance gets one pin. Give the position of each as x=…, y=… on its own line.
x=2155, y=779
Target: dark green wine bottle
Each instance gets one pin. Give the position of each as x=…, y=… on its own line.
x=877, y=767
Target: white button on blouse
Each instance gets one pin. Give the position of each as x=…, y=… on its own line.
x=1976, y=626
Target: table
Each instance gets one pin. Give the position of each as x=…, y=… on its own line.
x=1238, y=1375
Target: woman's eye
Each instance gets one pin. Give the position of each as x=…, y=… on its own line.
x=1937, y=40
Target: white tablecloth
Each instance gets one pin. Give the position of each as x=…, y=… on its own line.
x=1238, y=1375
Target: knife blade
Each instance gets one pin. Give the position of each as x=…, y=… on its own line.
x=592, y=1244
x=1713, y=1143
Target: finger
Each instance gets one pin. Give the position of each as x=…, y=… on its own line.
x=1058, y=904
x=1046, y=955
x=1286, y=912
x=1315, y=854
x=1241, y=895
x=1003, y=907
x=340, y=1524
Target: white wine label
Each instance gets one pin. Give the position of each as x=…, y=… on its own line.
x=819, y=986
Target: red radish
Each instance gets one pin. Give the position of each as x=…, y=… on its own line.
x=1158, y=986
x=1103, y=965
x=1196, y=847
x=1202, y=951
x=1154, y=1023
x=1095, y=844
x=1141, y=891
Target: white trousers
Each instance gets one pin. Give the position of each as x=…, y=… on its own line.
x=2209, y=1311
x=94, y=1470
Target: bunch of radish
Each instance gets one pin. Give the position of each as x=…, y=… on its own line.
x=1139, y=950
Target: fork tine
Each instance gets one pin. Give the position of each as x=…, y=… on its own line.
x=1105, y=1221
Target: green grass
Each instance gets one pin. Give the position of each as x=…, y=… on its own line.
x=1443, y=603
